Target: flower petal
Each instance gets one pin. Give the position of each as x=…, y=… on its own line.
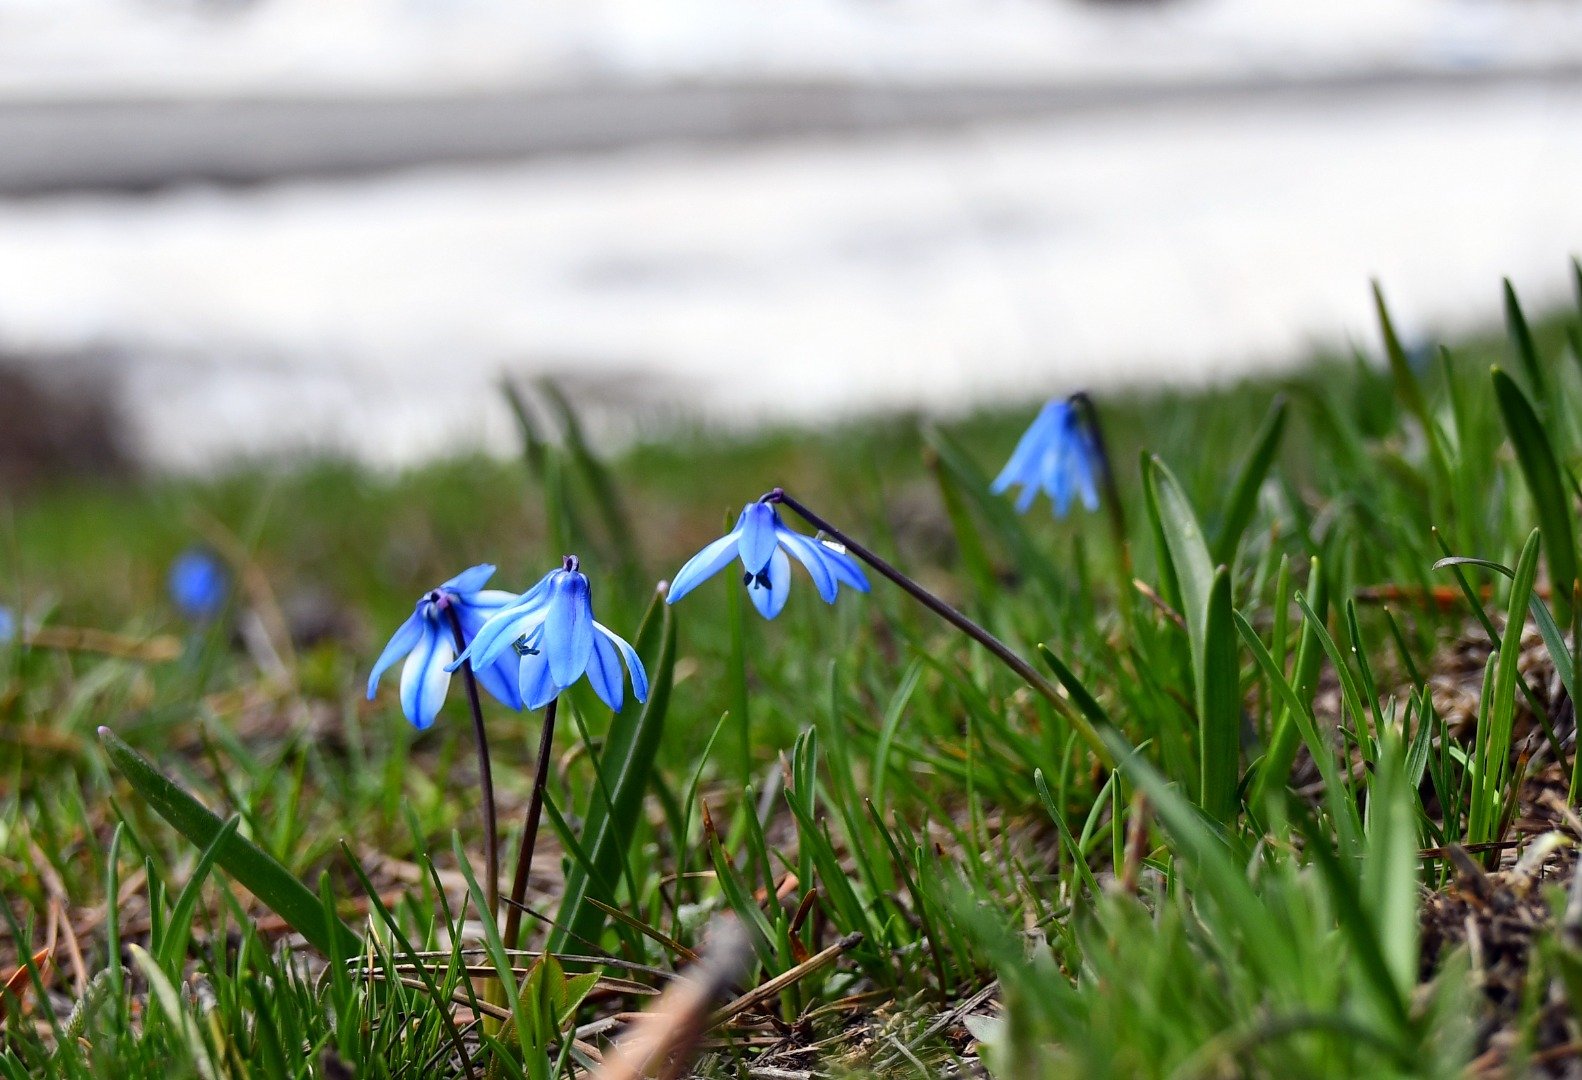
x=758, y=525
x=568, y=627
x=536, y=683
x=487, y=601
x=424, y=679
x=1030, y=447
x=470, y=580
x=772, y=600
x=604, y=672
x=502, y=629
x=634, y=663
x=403, y=641
x=1024, y=501
x=704, y=565
x=844, y=567
x=810, y=555
x=499, y=680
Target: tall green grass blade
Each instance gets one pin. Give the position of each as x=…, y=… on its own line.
x=1188, y=552
x=1085, y=702
x=1206, y=605
x=893, y=714
x=1521, y=336
x=627, y=763
x=1389, y=864
x=1249, y=480
x=1551, y=500
x=178, y=928
x=1219, y=705
x=1495, y=742
x=260, y=872
x=1286, y=737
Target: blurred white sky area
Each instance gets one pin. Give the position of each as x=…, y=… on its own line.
x=800, y=278
x=310, y=46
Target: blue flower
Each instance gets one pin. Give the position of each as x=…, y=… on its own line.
x=1056, y=455
x=428, y=641
x=761, y=540
x=7, y=624
x=556, y=641
x=198, y=584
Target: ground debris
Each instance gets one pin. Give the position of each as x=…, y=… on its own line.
x=1499, y=906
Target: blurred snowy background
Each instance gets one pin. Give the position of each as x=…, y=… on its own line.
x=273, y=225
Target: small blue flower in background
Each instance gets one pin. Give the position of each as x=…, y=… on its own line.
x=7, y=624
x=761, y=540
x=1056, y=455
x=428, y=641
x=554, y=641
x=198, y=584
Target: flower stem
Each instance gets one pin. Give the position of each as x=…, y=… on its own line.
x=491, y=831
x=535, y=809
x=1112, y=494
x=1002, y=651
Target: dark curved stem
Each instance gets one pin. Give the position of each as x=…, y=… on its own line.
x=977, y=633
x=1112, y=493
x=491, y=830
x=535, y=810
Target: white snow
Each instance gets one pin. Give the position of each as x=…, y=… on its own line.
x=800, y=280
x=74, y=48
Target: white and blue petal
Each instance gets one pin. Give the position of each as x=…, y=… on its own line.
x=760, y=527
x=1030, y=447
x=499, y=681
x=844, y=567
x=502, y=629
x=568, y=627
x=634, y=663
x=604, y=672
x=810, y=555
x=770, y=600
x=535, y=681
x=704, y=565
x=403, y=641
x=470, y=580
x=425, y=679
x=486, y=601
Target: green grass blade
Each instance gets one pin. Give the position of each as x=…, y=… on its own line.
x=1286, y=736
x=627, y=763
x=1244, y=494
x=1521, y=336
x=1183, y=536
x=1541, y=471
x=1502, y=710
x=1219, y=706
x=255, y=868
x=179, y=924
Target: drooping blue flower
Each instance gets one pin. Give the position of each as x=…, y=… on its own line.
x=554, y=640
x=198, y=584
x=428, y=641
x=762, y=542
x=1056, y=455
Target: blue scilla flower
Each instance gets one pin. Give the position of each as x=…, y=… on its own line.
x=554, y=640
x=428, y=641
x=7, y=624
x=198, y=584
x=761, y=540
x=1056, y=455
